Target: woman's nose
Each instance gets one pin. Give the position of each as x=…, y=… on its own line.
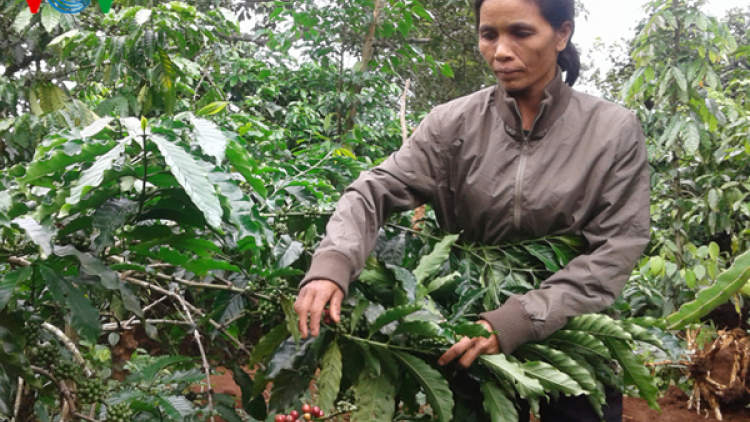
x=503, y=52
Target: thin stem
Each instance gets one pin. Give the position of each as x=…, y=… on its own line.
x=206, y=368
x=145, y=175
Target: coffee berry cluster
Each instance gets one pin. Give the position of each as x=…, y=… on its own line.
x=91, y=391
x=119, y=413
x=31, y=332
x=45, y=355
x=308, y=412
x=66, y=370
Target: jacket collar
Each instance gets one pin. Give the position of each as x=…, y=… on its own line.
x=556, y=99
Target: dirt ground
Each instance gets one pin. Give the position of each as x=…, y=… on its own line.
x=673, y=405
x=674, y=409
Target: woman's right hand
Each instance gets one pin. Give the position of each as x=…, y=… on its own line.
x=312, y=300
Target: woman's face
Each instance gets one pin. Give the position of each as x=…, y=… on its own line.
x=520, y=46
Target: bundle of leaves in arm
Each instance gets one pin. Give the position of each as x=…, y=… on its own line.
x=408, y=309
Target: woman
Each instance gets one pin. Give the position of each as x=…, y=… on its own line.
x=526, y=158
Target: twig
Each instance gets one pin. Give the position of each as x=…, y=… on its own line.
x=84, y=417
x=64, y=390
x=404, y=130
x=206, y=369
x=70, y=346
x=208, y=69
x=19, y=397
x=668, y=362
x=197, y=311
x=115, y=326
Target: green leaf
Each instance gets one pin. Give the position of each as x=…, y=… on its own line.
x=526, y=386
x=192, y=178
x=23, y=19
x=292, y=319
x=545, y=255
x=61, y=37
x=246, y=166
x=640, y=333
x=375, y=399
x=692, y=137
x=176, y=407
x=578, y=341
x=727, y=284
x=268, y=344
x=50, y=18
x=288, y=388
x=202, y=266
x=152, y=370
x=657, y=265
x=392, y=315
x=169, y=72
x=466, y=302
x=91, y=265
x=713, y=250
x=634, y=372
x=562, y=362
x=96, y=127
x=552, y=378
x=110, y=217
x=84, y=317
x=430, y=264
x=330, y=377
x=10, y=282
x=419, y=328
x=93, y=176
x=446, y=70
x=40, y=235
x=142, y=16
x=598, y=325
x=680, y=78
x=497, y=404
x=213, y=108
x=211, y=139
x=471, y=329
x=439, y=282
x=436, y=388
x=287, y=251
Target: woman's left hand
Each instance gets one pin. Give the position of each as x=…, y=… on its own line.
x=472, y=348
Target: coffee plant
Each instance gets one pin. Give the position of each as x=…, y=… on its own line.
x=401, y=319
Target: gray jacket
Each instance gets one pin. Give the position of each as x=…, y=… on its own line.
x=582, y=169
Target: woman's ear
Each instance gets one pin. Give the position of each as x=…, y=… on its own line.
x=563, y=35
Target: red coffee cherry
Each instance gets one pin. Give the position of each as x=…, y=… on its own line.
x=315, y=411
x=306, y=408
x=280, y=418
x=294, y=414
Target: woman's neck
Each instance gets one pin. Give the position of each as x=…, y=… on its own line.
x=529, y=106
x=530, y=100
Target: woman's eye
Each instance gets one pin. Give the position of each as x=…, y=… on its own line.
x=523, y=34
x=488, y=35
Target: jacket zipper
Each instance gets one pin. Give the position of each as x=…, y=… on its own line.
x=522, y=167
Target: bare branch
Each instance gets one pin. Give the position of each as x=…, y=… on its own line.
x=206, y=368
x=70, y=346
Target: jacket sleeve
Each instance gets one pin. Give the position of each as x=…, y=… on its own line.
x=617, y=233
x=402, y=182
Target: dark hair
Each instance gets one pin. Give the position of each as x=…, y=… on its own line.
x=556, y=12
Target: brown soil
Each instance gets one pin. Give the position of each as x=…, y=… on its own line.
x=674, y=409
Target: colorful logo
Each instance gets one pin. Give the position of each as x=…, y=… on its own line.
x=69, y=6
